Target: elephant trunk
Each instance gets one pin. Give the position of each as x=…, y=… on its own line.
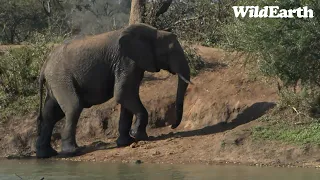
x=182, y=69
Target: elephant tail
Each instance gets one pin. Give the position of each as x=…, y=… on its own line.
x=39, y=119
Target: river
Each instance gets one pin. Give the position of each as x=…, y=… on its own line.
x=47, y=169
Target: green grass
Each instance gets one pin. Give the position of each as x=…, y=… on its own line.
x=19, y=107
x=195, y=61
x=295, y=120
x=295, y=134
x=19, y=70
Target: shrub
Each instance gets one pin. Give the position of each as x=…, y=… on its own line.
x=286, y=49
x=195, y=61
x=19, y=70
x=283, y=48
x=195, y=21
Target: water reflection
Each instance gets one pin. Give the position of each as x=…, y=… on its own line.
x=36, y=169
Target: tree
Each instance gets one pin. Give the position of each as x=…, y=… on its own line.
x=18, y=19
x=138, y=11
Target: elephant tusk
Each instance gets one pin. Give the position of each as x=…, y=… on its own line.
x=184, y=79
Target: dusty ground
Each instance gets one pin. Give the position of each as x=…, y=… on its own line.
x=220, y=109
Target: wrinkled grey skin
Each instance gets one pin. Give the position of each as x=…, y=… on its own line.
x=92, y=70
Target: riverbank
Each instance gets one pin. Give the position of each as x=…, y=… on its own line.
x=226, y=115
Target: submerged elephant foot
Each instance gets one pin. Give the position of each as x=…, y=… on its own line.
x=46, y=152
x=139, y=136
x=124, y=141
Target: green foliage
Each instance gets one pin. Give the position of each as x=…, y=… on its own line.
x=195, y=61
x=296, y=134
x=196, y=21
x=294, y=120
x=283, y=48
x=92, y=17
x=19, y=70
x=19, y=18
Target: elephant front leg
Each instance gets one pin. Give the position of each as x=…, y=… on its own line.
x=139, y=129
x=127, y=94
x=134, y=106
x=125, y=122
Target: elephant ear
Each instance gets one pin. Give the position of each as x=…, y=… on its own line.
x=139, y=50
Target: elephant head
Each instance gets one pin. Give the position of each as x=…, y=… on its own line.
x=152, y=50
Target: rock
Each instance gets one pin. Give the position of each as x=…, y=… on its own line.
x=156, y=153
x=134, y=145
x=138, y=162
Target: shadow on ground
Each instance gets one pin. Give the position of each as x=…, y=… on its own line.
x=249, y=114
x=215, y=65
x=95, y=146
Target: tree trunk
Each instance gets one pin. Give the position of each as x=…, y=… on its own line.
x=138, y=8
x=137, y=11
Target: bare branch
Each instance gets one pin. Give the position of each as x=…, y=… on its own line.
x=58, y=3
x=188, y=19
x=108, y=11
x=164, y=7
x=18, y=176
x=47, y=9
x=47, y=5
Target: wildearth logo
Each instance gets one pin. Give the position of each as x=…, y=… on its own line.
x=272, y=12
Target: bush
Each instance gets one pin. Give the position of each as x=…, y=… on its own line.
x=20, y=17
x=286, y=49
x=19, y=70
x=195, y=21
x=195, y=61
x=283, y=48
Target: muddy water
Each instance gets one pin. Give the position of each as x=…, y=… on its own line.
x=37, y=169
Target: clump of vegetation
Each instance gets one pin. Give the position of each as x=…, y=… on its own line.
x=195, y=61
x=296, y=134
x=19, y=70
x=19, y=19
x=286, y=49
x=196, y=20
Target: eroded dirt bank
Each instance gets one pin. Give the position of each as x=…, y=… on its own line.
x=219, y=112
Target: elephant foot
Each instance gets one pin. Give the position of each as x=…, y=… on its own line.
x=69, y=153
x=69, y=150
x=46, y=152
x=124, y=141
x=138, y=135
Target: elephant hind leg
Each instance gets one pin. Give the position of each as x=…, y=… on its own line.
x=68, y=137
x=51, y=114
x=72, y=107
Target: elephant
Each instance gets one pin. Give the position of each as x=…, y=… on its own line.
x=92, y=70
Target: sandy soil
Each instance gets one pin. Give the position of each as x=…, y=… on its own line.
x=220, y=109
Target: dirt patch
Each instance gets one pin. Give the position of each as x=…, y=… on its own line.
x=220, y=110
